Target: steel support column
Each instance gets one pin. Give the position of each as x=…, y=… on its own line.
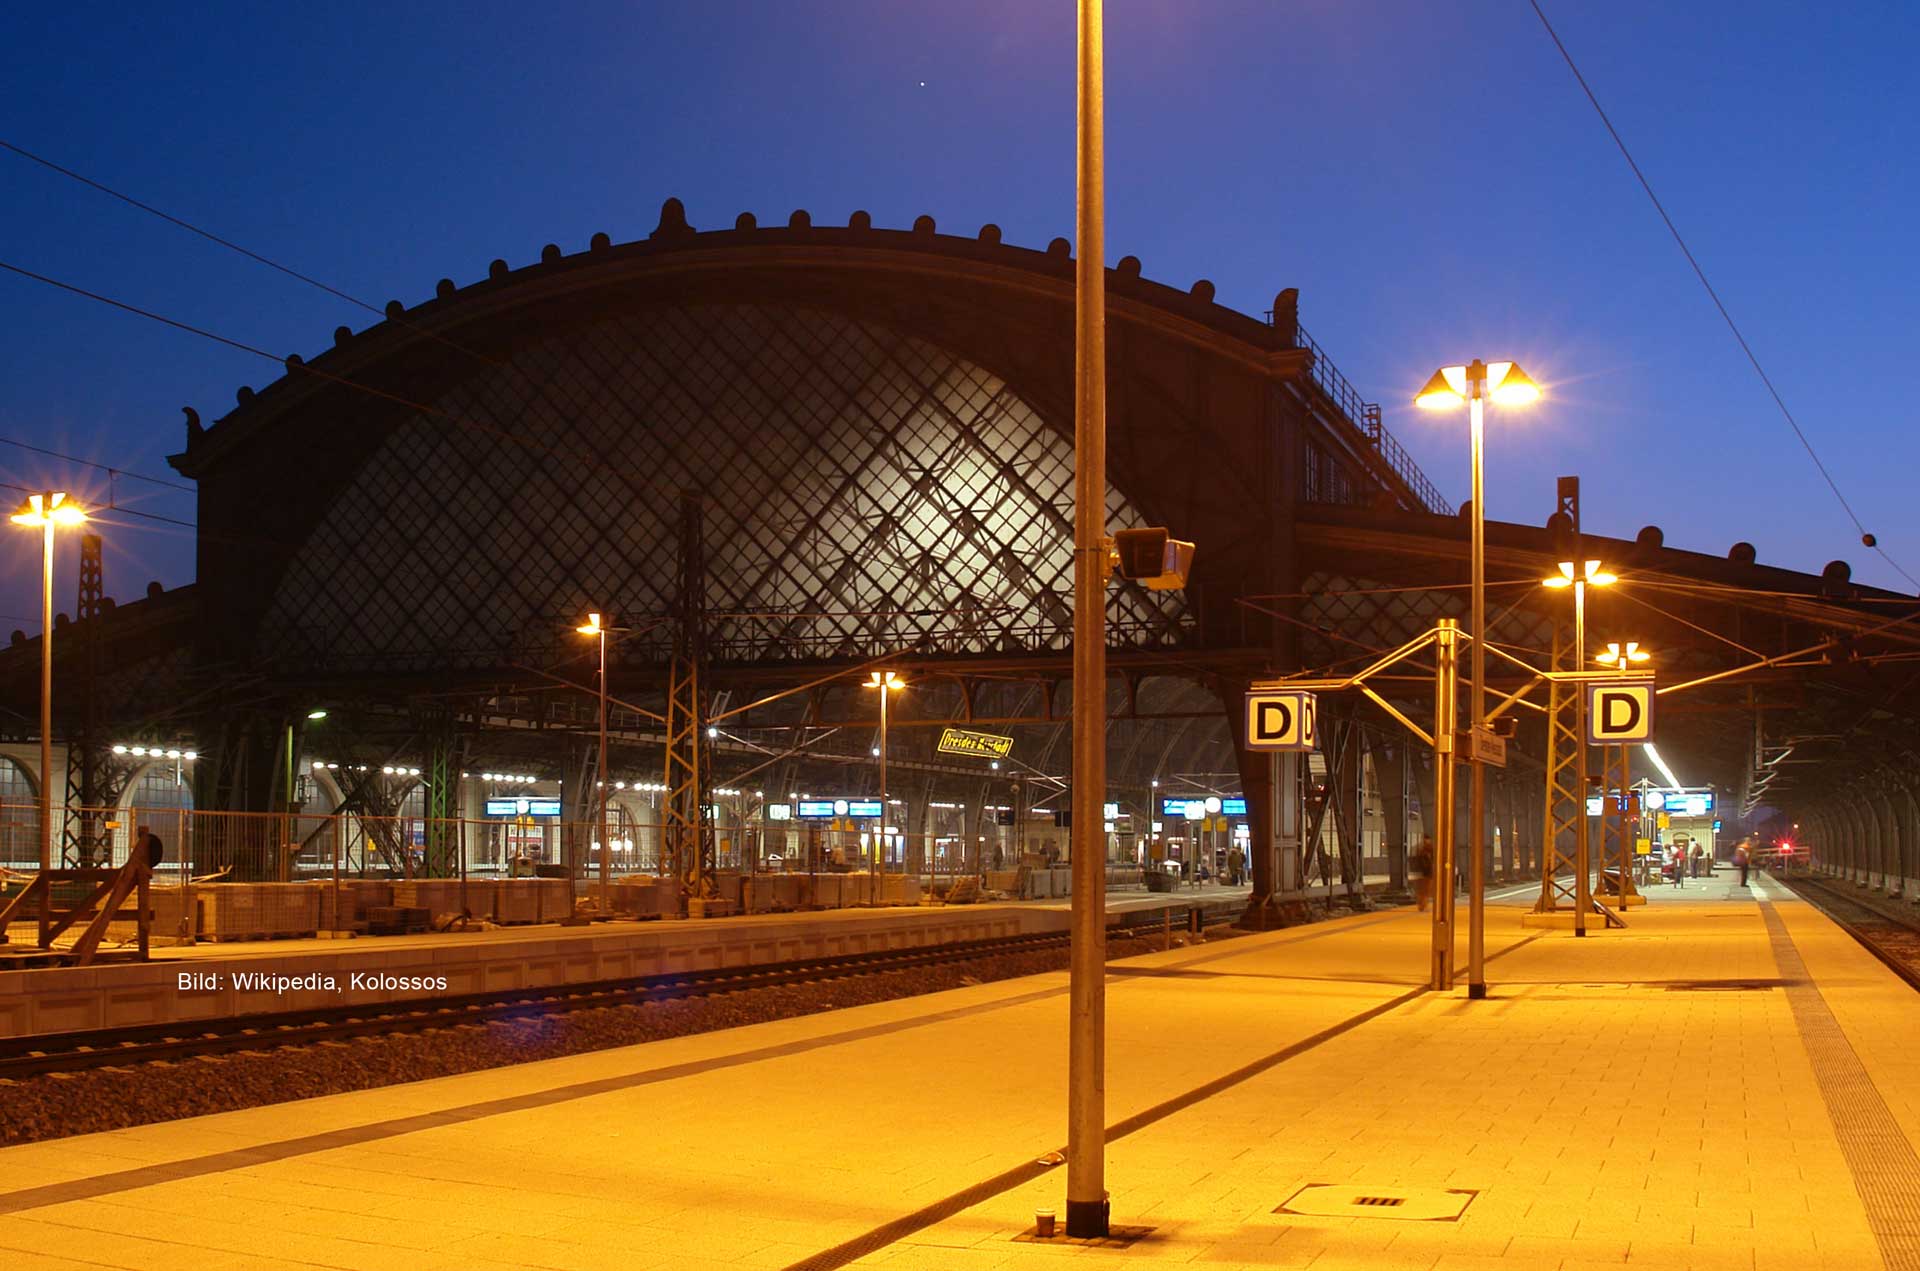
x=687, y=830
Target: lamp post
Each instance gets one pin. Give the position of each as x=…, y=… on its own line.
x=599, y=631
x=1087, y=1212
x=1579, y=578
x=45, y=512
x=1474, y=383
x=888, y=683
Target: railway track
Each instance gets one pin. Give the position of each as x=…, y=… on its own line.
x=1887, y=930
x=79, y=1051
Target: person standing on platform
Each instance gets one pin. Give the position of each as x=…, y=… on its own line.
x=1421, y=867
x=1699, y=857
x=1742, y=858
x=1677, y=857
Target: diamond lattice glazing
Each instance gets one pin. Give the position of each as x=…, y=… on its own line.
x=863, y=493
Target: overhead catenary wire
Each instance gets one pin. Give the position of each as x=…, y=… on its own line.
x=1866, y=537
x=107, y=468
x=229, y=244
x=431, y=412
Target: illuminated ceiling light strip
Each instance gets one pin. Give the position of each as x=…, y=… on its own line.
x=1661, y=764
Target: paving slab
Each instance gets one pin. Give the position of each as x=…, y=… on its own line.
x=1644, y=1097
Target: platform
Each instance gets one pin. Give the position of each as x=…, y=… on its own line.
x=1731, y=1082
x=117, y=995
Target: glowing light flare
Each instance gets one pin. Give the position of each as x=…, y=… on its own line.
x=884, y=679
x=1454, y=386
x=1588, y=572
x=1614, y=655
x=41, y=510
x=591, y=627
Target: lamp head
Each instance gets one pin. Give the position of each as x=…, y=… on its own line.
x=41, y=510
x=316, y=714
x=1588, y=572
x=1508, y=385
x=591, y=627
x=884, y=680
x=1446, y=390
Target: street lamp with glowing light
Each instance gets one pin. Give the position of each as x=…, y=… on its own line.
x=888, y=683
x=47, y=512
x=1473, y=385
x=595, y=629
x=1619, y=658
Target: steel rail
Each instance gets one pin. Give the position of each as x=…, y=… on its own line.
x=84, y=1049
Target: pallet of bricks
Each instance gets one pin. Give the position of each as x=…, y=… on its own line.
x=257, y=911
x=511, y=902
x=349, y=904
x=643, y=896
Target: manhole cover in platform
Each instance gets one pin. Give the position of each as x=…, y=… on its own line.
x=1724, y=986
x=1409, y=1204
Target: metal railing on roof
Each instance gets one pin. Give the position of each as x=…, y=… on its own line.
x=1364, y=417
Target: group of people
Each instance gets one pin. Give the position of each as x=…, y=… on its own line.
x=1684, y=861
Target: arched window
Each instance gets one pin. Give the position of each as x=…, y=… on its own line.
x=19, y=818
x=162, y=800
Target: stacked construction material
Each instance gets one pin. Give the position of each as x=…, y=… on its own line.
x=356, y=896
x=257, y=911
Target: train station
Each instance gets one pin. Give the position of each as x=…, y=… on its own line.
x=837, y=739
x=817, y=763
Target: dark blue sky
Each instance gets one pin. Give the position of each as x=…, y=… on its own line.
x=1427, y=173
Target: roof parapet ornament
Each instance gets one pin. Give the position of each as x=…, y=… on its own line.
x=1286, y=316
x=673, y=221
x=395, y=308
x=195, y=429
x=599, y=242
x=444, y=289
x=923, y=224
x=1742, y=553
x=990, y=234
x=1129, y=267
x=1060, y=249
x=550, y=254
x=801, y=219
x=860, y=220
x=497, y=268
x=341, y=335
x=746, y=220
x=1202, y=291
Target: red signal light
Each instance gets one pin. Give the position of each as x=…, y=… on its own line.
x=1786, y=849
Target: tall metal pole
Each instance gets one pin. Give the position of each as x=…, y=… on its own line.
x=1446, y=688
x=1086, y=1047
x=1476, y=781
x=1582, y=887
x=606, y=842
x=46, y=692
x=880, y=839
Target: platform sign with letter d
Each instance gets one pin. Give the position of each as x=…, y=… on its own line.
x=1280, y=720
x=1619, y=714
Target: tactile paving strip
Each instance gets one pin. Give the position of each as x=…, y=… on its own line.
x=1885, y=1169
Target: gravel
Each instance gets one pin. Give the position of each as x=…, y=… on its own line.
x=62, y=1104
